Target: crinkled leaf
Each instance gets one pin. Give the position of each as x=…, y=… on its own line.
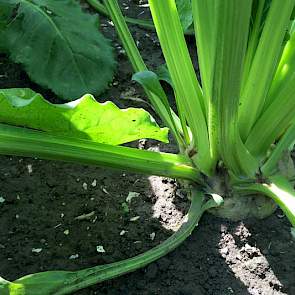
x=59, y=46
x=83, y=118
x=184, y=8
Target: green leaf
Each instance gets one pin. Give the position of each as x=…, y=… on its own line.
x=151, y=82
x=278, y=110
x=258, y=18
x=59, y=46
x=61, y=282
x=204, y=13
x=222, y=29
x=284, y=73
x=188, y=91
x=184, y=8
x=164, y=75
x=231, y=29
x=139, y=66
x=205, y=17
x=5, y=15
x=281, y=150
x=264, y=65
x=84, y=118
x=274, y=121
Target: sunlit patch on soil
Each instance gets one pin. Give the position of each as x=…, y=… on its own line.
x=165, y=208
x=247, y=262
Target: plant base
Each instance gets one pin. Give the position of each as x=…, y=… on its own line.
x=242, y=207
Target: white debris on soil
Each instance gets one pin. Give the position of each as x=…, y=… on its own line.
x=145, y=5
x=66, y=232
x=94, y=183
x=37, y=250
x=122, y=233
x=85, y=216
x=100, y=249
x=2, y=200
x=75, y=256
x=152, y=236
x=131, y=196
x=30, y=168
x=134, y=218
x=105, y=191
x=110, y=23
x=280, y=215
x=85, y=186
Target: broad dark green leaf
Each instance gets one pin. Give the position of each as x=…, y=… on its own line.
x=59, y=46
x=83, y=118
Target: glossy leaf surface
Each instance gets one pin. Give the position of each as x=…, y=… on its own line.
x=84, y=118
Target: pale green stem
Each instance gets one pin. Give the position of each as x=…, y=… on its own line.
x=25, y=142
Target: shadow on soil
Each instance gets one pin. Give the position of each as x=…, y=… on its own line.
x=272, y=236
x=43, y=199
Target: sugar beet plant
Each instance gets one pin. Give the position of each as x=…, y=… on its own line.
x=234, y=132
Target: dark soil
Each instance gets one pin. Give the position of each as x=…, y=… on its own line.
x=42, y=200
